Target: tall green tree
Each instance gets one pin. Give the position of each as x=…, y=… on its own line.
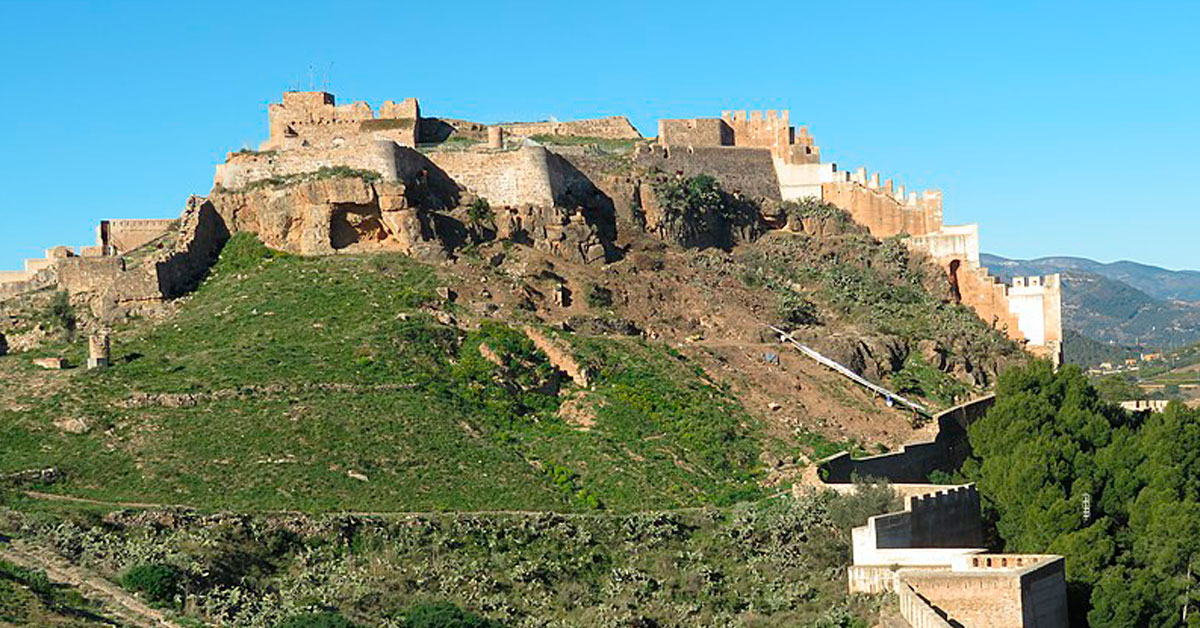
x=1063, y=471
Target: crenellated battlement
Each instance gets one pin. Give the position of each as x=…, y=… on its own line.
x=314, y=119
x=770, y=129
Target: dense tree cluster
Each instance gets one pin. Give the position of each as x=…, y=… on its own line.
x=1064, y=472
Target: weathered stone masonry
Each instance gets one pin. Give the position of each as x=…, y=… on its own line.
x=538, y=193
x=1029, y=311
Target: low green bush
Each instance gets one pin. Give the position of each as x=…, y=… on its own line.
x=317, y=620
x=159, y=582
x=444, y=615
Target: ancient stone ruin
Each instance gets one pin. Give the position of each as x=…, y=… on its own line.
x=763, y=153
x=346, y=178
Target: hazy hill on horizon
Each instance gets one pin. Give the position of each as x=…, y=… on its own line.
x=1160, y=283
x=1117, y=304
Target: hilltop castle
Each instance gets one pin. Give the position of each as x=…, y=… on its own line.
x=558, y=196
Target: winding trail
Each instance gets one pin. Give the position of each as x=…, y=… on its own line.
x=116, y=602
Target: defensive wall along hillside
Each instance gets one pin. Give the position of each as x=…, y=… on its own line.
x=931, y=553
x=914, y=462
x=756, y=155
x=1029, y=311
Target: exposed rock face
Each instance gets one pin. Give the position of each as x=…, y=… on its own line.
x=328, y=215
x=873, y=357
x=3, y=345
x=719, y=227
x=348, y=213
x=555, y=230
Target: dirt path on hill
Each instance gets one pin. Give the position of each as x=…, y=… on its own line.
x=116, y=602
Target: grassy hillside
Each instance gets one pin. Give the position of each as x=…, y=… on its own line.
x=328, y=384
x=28, y=598
x=778, y=562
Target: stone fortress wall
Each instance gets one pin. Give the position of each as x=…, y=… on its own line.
x=388, y=158
x=524, y=176
x=115, y=237
x=1029, y=311
x=755, y=154
x=178, y=253
x=613, y=127
x=746, y=171
x=315, y=120
x=930, y=553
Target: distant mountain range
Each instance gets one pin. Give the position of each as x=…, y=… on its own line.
x=1160, y=283
x=1118, y=305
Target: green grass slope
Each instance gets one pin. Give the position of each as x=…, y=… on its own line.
x=28, y=598
x=322, y=384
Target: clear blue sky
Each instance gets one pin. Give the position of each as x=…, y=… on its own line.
x=1062, y=128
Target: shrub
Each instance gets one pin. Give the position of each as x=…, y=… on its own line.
x=813, y=208
x=599, y=296
x=317, y=620
x=60, y=313
x=691, y=196
x=919, y=377
x=793, y=309
x=444, y=615
x=480, y=213
x=160, y=583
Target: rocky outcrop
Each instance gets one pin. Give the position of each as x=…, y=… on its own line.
x=324, y=216
x=557, y=231
x=873, y=357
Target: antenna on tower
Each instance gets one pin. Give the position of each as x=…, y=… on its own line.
x=325, y=82
x=312, y=79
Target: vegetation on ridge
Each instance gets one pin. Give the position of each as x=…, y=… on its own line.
x=317, y=384
x=1118, y=494
x=776, y=562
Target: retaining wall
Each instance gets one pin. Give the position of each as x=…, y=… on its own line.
x=748, y=171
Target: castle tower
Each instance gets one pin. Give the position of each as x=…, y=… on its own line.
x=495, y=138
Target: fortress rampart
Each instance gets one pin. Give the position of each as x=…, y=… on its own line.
x=753, y=154
x=746, y=171
x=931, y=553
x=116, y=237
x=769, y=130
x=1028, y=312
x=883, y=209
x=386, y=158
x=505, y=178
x=314, y=119
x=914, y=462
x=613, y=127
